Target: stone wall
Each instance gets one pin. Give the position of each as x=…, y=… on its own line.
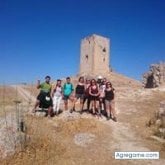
x=155, y=77
x=94, y=58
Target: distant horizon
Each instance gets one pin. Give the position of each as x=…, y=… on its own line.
x=39, y=37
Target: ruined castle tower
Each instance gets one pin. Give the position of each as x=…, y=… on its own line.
x=94, y=58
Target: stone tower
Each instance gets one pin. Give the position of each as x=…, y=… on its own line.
x=94, y=58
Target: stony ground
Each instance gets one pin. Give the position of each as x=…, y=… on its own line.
x=83, y=139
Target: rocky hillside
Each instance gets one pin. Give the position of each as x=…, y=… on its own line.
x=83, y=139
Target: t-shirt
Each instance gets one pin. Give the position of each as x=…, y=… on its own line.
x=45, y=87
x=67, y=89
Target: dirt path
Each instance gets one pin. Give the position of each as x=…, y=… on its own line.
x=122, y=136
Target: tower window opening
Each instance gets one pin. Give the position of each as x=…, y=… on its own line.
x=86, y=57
x=104, y=50
x=103, y=59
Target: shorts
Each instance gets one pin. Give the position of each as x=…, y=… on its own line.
x=79, y=96
x=110, y=103
x=66, y=97
x=94, y=98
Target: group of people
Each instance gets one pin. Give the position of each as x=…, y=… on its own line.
x=97, y=95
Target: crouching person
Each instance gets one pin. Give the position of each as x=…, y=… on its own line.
x=44, y=99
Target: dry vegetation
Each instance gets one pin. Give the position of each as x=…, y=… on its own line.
x=51, y=141
x=7, y=97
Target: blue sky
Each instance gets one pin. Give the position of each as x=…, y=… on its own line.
x=40, y=37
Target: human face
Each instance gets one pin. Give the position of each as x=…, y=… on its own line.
x=68, y=80
x=88, y=81
x=93, y=82
x=109, y=85
x=47, y=80
x=58, y=83
x=81, y=80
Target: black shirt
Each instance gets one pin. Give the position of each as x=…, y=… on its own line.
x=80, y=89
x=109, y=95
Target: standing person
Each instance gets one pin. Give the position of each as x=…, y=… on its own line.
x=94, y=96
x=44, y=99
x=67, y=92
x=102, y=94
x=57, y=96
x=86, y=94
x=79, y=94
x=109, y=101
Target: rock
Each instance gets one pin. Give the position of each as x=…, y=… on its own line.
x=40, y=114
x=161, y=112
x=158, y=123
x=155, y=77
x=83, y=139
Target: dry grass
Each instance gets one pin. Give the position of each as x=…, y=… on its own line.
x=145, y=108
x=7, y=97
x=52, y=142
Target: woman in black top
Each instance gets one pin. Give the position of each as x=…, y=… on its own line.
x=79, y=93
x=109, y=101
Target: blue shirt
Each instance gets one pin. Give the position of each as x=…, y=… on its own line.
x=67, y=89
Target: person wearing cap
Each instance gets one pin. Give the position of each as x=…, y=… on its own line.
x=44, y=99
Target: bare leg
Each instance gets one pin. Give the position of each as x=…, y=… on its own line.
x=113, y=112
x=66, y=104
x=73, y=104
x=98, y=107
x=36, y=105
x=108, y=109
x=50, y=111
x=81, y=105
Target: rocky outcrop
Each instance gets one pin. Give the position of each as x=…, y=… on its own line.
x=155, y=77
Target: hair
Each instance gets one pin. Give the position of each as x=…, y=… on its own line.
x=108, y=82
x=58, y=80
x=80, y=78
x=47, y=77
x=94, y=81
x=68, y=78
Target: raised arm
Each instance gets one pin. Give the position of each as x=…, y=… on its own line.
x=38, y=84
